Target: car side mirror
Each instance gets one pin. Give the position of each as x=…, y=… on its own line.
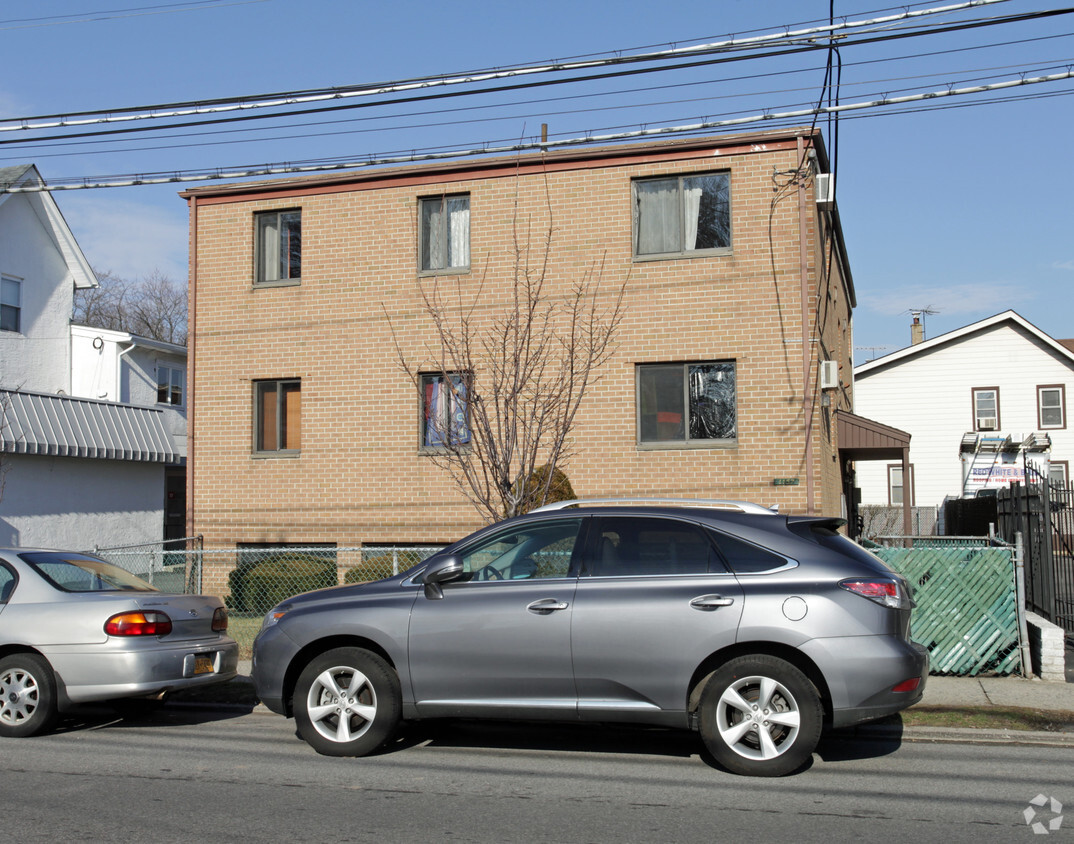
x=443, y=570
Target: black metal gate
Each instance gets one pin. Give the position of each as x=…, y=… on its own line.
x=1043, y=511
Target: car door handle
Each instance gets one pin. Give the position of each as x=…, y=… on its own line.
x=711, y=602
x=547, y=605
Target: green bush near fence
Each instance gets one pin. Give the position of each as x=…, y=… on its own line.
x=256, y=586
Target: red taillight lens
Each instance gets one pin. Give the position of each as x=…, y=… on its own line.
x=138, y=624
x=888, y=593
x=907, y=685
x=220, y=620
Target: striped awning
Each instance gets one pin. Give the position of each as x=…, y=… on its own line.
x=63, y=426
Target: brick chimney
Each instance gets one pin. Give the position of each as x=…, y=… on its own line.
x=917, y=331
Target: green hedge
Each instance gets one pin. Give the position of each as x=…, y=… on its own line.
x=256, y=586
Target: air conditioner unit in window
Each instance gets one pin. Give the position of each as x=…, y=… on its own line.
x=986, y=423
x=825, y=183
x=829, y=375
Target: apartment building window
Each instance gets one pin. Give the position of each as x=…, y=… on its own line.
x=897, y=486
x=1052, y=406
x=986, y=409
x=445, y=234
x=445, y=418
x=1059, y=473
x=279, y=247
x=682, y=215
x=10, y=304
x=687, y=403
x=278, y=416
x=170, y=382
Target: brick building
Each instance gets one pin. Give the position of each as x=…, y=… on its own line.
x=304, y=428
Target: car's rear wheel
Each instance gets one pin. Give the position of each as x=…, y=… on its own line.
x=27, y=695
x=347, y=702
x=760, y=716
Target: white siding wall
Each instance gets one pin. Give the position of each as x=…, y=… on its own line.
x=76, y=504
x=930, y=397
x=37, y=357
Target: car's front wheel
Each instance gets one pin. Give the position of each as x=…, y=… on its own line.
x=27, y=695
x=347, y=702
x=760, y=716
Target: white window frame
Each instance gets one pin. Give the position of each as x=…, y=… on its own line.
x=11, y=300
x=1060, y=390
x=895, y=473
x=982, y=421
x=175, y=380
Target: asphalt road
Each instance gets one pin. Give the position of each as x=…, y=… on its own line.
x=195, y=774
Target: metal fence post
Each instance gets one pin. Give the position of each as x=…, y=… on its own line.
x=1020, y=585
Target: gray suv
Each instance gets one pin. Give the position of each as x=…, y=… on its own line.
x=755, y=629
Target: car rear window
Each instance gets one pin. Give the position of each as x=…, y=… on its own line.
x=81, y=573
x=745, y=558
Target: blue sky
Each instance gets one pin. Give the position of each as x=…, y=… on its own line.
x=965, y=210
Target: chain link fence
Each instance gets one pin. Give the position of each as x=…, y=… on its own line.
x=878, y=520
x=253, y=579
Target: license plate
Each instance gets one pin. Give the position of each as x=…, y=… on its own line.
x=203, y=664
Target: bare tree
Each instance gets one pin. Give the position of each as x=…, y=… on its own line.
x=153, y=307
x=520, y=371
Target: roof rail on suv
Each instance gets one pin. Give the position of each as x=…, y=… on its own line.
x=720, y=503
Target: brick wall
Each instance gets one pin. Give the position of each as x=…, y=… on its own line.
x=360, y=477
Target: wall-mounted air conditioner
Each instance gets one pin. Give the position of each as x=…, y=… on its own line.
x=829, y=375
x=825, y=183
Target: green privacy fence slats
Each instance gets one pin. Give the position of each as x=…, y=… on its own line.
x=966, y=611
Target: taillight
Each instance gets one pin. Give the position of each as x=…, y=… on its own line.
x=220, y=620
x=887, y=593
x=138, y=624
x=907, y=685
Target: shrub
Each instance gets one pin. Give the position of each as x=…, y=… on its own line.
x=257, y=585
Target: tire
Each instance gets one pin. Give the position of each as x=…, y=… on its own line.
x=760, y=716
x=347, y=702
x=27, y=695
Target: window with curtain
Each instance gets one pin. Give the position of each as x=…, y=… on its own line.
x=445, y=234
x=692, y=403
x=445, y=410
x=278, y=416
x=10, y=304
x=279, y=247
x=682, y=215
x=170, y=382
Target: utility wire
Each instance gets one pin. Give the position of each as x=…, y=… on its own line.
x=589, y=138
x=277, y=100
x=813, y=46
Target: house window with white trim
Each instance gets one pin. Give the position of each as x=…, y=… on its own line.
x=682, y=216
x=986, y=409
x=1051, y=406
x=1059, y=473
x=897, y=487
x=170, y=383
x=10, y=304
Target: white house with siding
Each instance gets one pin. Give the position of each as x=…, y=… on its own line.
x=980, y=404
x=84, y=462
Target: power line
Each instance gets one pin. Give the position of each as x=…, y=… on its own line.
x=590, y=138
x=277, y=100
x=115, y=14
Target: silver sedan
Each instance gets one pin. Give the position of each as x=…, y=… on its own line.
x=75, y=629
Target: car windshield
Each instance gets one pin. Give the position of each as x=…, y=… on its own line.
x=80, y=573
